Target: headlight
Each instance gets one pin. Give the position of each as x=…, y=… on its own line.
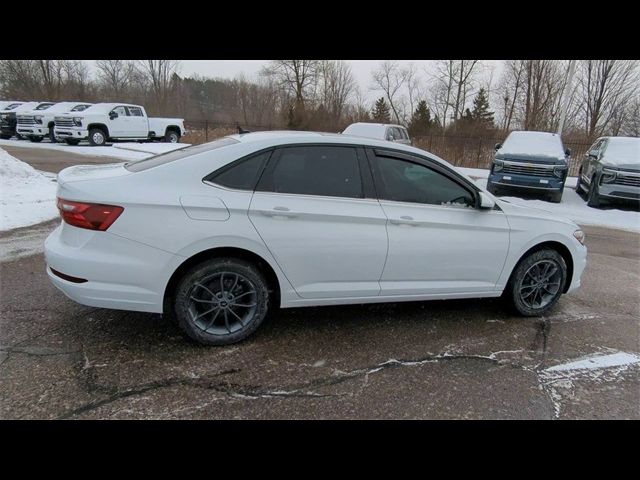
x=77, y=121
x=559, y=171
x=608, y=176
x=498, y=165
x=38, y=119
x=579, y=235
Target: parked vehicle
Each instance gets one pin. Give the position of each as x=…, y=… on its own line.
x=535, y=162
x=611, y=170
x=104, y=122
x=9, y=104
x=39, y=123
x=379, y=131
x=219, y=234
x=8, y=117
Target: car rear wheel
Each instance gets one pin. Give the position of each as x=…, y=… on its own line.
x=593, y=198
x=97, y=137
x=221, y=301
x=537, y=282
x=172, y=136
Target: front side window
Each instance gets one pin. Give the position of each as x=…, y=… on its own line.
x=404, y=181
x=121, y=111
x=242, y=174
x=314, y=170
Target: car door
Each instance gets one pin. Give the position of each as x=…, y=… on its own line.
x=315, y=209
x=138, y=124
x=439, y=243
x=118, y=125
x=591, y=160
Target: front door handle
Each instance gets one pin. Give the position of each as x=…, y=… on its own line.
x=404, y=220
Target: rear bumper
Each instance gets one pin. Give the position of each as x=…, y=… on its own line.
x=120, y=273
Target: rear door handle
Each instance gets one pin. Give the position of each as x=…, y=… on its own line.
x=279, y=212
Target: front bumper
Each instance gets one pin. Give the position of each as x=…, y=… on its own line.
x=32, y=130
x=525, y=182
x=74, y=133
x=619, y=192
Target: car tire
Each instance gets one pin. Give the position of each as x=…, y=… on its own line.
x=593, y=196
x=35, y=139
x=492, y=190
x=5, y=137
x=556, y=197
x=206, y=306
x=97, y=137
x=52, y=136
x=172, y=137
x=528, y=294
x=70, y=141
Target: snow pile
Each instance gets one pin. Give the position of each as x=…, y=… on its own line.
x=26, y=196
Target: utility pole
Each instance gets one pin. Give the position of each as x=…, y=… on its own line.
x=566, y=95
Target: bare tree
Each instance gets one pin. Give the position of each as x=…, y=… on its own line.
x=337, y=86
x=390, y=79
x=453, y=83
x=19, y=79
x=162, y=76
x=115, y=76
x=605, y=87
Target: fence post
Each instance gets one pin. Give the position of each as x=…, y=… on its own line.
x=479, y=150
x=206, y=130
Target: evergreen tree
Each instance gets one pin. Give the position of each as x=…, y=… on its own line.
x=481, y=113
x=380, y=112
x=421, y=121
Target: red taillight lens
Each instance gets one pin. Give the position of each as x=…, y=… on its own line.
x=93, y=216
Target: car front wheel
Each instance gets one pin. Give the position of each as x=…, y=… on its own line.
x=221, y=301
x=97, y=138
x=537, y=282
x=593, y=197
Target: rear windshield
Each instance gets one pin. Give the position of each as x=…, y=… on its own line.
x=174, y=155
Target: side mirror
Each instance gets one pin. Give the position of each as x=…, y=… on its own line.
x=498, y=146
x=486, y=203
x=567, y=152
x=592, y=154
x=113, y=115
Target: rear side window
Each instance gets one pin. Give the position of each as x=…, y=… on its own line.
x=242, y=174
x=178, y=154
x=314, y=170
x=135, y=111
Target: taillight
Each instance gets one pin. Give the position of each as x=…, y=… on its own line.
x=93, y=216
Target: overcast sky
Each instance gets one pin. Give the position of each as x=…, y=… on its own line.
x=361, y=69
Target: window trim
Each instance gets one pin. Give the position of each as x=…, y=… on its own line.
x=275, y=157
x=374, y=152
x=208, y=179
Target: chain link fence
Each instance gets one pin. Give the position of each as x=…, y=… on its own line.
x=461, y=151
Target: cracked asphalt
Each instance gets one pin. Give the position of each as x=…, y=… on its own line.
x=465, y=359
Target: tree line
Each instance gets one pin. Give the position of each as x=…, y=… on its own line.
x=457, y=97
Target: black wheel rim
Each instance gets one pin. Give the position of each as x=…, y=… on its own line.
x=540, y=284
x=223, y=303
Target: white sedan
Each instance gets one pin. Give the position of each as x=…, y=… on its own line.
x=220, y=233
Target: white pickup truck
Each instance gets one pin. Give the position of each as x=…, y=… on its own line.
x=104, y=122
x=39, y=123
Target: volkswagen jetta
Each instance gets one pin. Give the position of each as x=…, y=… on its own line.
x=219, y=234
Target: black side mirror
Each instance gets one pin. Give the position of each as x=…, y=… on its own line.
x=498, y=146
x=113, y=115
x=567, y=152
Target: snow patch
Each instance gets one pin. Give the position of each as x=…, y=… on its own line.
x=26, y=197
x=619, y=359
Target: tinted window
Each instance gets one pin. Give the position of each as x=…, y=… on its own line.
x=404, y=133
x=241, y=175
x=317, y=170
x=135, y=111
x=163, y=158
x=404, y=181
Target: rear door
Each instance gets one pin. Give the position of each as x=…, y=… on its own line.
x=138, y=125
x=316, y=211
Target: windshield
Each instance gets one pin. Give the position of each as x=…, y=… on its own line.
x=623, y=150
x=533, y=143
x=174, y=155
x=12, y=106
x=43, y=106
x=80, y=108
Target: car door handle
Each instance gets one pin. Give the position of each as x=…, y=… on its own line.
x=279, y=212
x=404, y=220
